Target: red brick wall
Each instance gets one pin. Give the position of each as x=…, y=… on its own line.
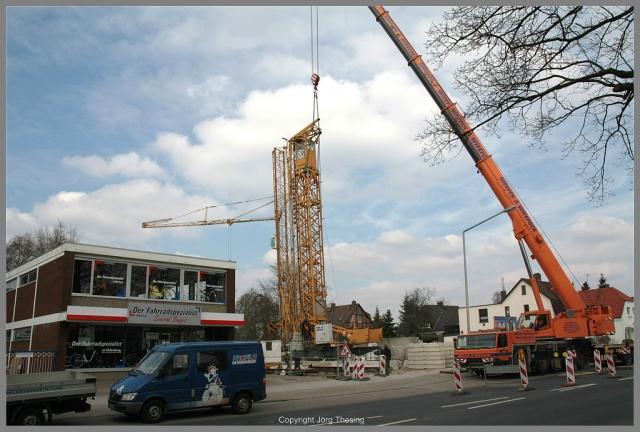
x=24, y=306
x=51, y=337
x=231, y=291
x=11, y=297
x=54, y=285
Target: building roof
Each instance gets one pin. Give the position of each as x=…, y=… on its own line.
x=609, y=296
x=121, y=253
x=341, y=314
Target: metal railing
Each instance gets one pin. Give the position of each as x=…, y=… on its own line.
x=25, y=362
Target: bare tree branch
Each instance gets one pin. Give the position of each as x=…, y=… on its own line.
x=539, y=68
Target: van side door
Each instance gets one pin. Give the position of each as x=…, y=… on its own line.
x=211, y=377
x=175, y=381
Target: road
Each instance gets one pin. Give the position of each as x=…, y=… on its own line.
x=423, y=400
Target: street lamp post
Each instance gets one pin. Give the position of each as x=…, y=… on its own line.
x=464, y=258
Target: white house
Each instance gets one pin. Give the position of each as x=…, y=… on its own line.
x=518, y=300
x=621, y=308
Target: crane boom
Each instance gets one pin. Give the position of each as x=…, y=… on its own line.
x=523, y=225
x=166, y=223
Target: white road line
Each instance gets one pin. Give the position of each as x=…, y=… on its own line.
x=401, y=421
x=496, y=403
x=562, y=389
x=373, y=417
x=622, y=379
x=469, y=403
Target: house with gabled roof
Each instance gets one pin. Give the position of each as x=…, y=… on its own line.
x=621, y=306
x=517, y=300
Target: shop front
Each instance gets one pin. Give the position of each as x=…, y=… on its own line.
x=114, y=337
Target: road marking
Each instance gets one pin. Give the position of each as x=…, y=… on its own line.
x=573, y=387
x=468, y=403
x=401, y=421
x=622, y=379
x=373, y=417
x=496, y=403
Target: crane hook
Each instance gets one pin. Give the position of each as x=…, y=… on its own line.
x=315, y=80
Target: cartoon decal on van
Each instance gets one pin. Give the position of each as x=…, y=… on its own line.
x=213, y=389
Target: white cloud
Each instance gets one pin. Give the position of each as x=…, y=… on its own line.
x=112, y=215
x=129, y=165
x=363, y=130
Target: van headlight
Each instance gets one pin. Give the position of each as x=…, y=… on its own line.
x=129, y=396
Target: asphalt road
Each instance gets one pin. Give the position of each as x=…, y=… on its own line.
x=425, y=400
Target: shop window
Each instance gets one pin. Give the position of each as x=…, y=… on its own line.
x=484, y=316
x=212, y=287
x=190, y=285
x=109, y=278
x=207, y=359
x=82, y=277
x=13, y=283
x=163, y=283
x=26, y=278
x=22, y=334
x=138, y=281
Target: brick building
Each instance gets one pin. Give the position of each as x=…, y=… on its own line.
x=104, y=307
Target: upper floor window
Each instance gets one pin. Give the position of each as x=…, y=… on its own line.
x=26, y=278
x=109, y=278
x=163, y=283
x=526, y=308
x=117, y=279
x=524, y=289
x=13, y=283
x=507, y=311
x=212, y=287
x=484, y=316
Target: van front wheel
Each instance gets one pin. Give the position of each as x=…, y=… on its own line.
x=153, y=411
x=242, y=403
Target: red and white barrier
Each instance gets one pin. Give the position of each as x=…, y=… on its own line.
x=611, y=365
x=457, y=377
x=571, y=372
x=345, y=366
x=524, y=376
x=383, y=365
x=597, y=360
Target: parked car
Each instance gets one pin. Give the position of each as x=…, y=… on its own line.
x=184, y=376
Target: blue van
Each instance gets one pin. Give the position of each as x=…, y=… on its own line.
x=183, y=376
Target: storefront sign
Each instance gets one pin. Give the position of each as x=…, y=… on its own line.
x=153, y=313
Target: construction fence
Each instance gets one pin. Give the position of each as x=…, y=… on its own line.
x=25, y=362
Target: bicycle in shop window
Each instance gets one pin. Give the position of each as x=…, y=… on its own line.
x=167, y=292
x=81, y=360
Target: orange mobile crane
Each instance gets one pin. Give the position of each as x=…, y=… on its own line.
x=567, y=330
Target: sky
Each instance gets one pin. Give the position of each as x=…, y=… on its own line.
x=119, y=115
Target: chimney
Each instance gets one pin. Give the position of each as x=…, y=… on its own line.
x=440, y=303
x=503, y=295
x=332, y=305
x=353, y=304
x=538, y=276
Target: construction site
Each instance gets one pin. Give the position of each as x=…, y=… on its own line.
x=327, y=364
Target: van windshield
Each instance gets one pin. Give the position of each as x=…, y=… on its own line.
x=476, y=341
x=152, y=362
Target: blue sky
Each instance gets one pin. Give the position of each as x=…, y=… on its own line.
x=121, y=115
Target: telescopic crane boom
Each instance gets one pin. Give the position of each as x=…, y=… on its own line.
x=592, y=320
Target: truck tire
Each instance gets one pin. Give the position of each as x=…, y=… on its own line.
x=242, y=403
x=153, y=411
x=30, y=417
x=542, y=365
